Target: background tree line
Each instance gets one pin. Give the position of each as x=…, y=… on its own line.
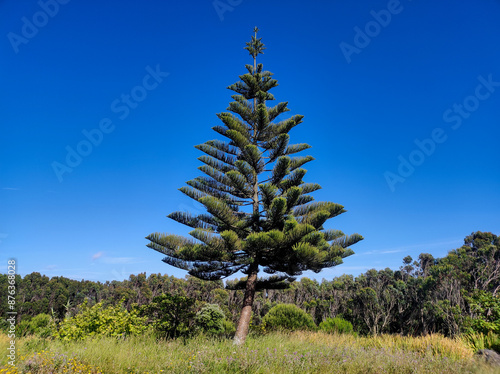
x=449, y=295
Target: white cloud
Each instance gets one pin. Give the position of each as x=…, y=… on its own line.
x=392, y=251
x=97, y=255
x=104, y=259
x=85, y=274
x=120, y=260
x=380, y=252
x=425, y=247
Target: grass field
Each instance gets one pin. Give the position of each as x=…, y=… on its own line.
x=298, y=352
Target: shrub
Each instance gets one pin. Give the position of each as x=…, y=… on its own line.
x=111, y=321
x=41, y=325
x=169, y=315
x=229, y=328
x=287, y=317
x=210, y=319
x=336, y=325
x=24, y=328
x=486, y=310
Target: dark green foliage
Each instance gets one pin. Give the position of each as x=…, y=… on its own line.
x=260, y=216
x=476, y=263
x=485, y=311
x=169, y=315
x=228, y=328
x=288, y=317
x=41, y=325
x=210, y=319
x=375, y=300
x=336, y=325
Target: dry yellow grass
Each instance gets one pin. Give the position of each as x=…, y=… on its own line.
x=434, y=344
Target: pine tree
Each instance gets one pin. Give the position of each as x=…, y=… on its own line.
x=260, y=216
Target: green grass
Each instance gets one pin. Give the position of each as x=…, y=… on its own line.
x=477, y=341
x=299, y=352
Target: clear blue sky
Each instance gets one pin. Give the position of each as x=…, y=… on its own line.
x=430, y=73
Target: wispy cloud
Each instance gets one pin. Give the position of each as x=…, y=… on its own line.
x=97, y=255
x=393, y=251
x=343, y=267
x=104, y=259
x=10, y=188
x=120, y=260
x=50, y=267
x=380, y=252
x=424, y=247
x=85, y=274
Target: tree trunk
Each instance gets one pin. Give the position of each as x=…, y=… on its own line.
x=246, y=311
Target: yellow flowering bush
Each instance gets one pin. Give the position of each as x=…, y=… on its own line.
x=113, y=321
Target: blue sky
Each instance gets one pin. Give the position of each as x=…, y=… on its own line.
x=400, y=98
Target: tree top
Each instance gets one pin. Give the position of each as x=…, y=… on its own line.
x=255, y=46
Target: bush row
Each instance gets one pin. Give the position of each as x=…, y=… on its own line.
x=169, y=317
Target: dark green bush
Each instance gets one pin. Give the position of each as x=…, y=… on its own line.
x=229, y=328
x=170, y=315
x=41, y=325
x=288, y=317
x=336, y=325
x=486, y=310
x=210, y=319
